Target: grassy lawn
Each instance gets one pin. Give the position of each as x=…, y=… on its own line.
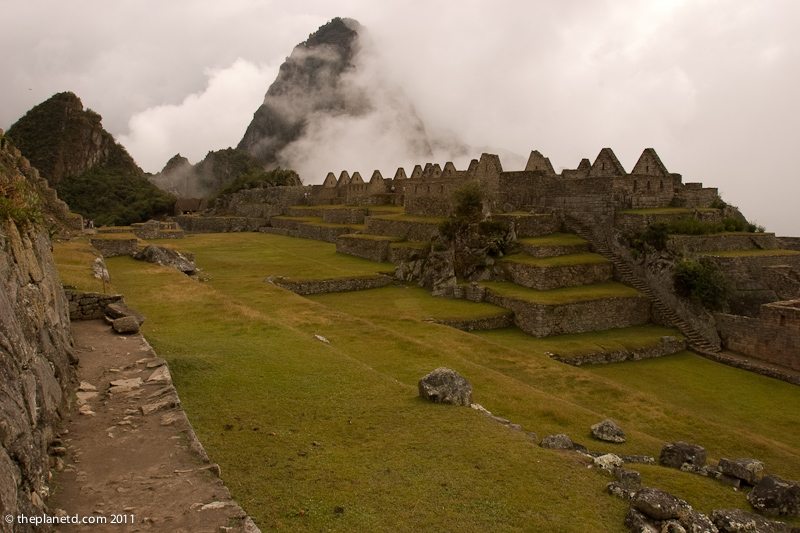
x=564, y=295
x=244, y=356
x=556, y=261
x=74, y=259
x=581, y=343
x=114, y=236
x=753, y=253
x=554, y=239
x=273, y=255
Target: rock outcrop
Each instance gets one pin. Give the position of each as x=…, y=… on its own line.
x=677, y=454
x=167, y=257
x=444, y=385
x=776, y=496
x=608, y=431
x=36, y=366
x=92, y=173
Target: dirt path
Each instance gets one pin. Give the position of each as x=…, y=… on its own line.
x=129, y=454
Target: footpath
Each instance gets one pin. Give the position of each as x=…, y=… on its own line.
x=127, y=458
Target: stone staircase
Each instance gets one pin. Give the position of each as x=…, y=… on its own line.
x=626, y=274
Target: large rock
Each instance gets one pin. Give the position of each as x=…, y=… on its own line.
x=126, y=325
x=676, y=454
x=557, y=442
x=658, y=505
x=167, y=257
x=637, y=522
x=773, y=495
x=748, y=470
x=119, y=310
x=738, y=521
x=444, y=385
x=608, y=431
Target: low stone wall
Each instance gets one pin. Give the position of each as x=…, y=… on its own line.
x=345, y=215
x=789, y=243
x=115, y=247
x=153, y=229
x=530, y=225
x=321, y=232
x=404, y=229
x=666, y=346
x=322, y=286
x=366, y=246
x=682, y=244
x=260, y=203
x=554, y=277
x=200, y=224
x=89, y=305
x=480, y=324
x=760, y=338
x=285, y=222
x=541, y=320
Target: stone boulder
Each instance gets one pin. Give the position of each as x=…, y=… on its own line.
x=117, y=310
x=608, y=462
x=676, y=454
x=608, y=431
x=557, y=442
x=444, y=385
x=125, y=325
x=738, y=521
x=167, y=257
x=658, y=505
x=748, y=470
x=773, y=495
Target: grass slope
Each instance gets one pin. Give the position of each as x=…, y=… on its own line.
x=564, y=295
x=244, y=356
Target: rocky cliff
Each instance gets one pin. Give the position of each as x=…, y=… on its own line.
x=36, y=371
x=309, y=81
x=91, y=172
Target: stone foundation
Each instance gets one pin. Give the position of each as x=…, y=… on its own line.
x=665, y=346
x=553, y=251
x=480, y=324
x=543, y=320
x=530, y=225
x=200, y=224
x=553, y=277
x=322, y=286
x=89, y=305
x=115, y=247
x=774, y=336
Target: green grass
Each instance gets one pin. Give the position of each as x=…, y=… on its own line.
x=557, y=261
x=753, y=253
x=275, y=255
x=114, y=236
x=246, y=356
x=582, y=343
x=74, y=259
x=565, y=295
x=667, y=211
x=406, y=303
x=354, y=227
x=554, y=239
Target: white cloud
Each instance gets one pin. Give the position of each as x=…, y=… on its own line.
x=211, y=119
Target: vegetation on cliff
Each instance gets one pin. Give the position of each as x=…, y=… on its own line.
x=92, y=172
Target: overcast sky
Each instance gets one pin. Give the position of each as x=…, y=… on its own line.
x=712, y=85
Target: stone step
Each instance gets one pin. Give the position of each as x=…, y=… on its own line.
x=567, y=310
x=555, y=272
x=530, y=224
x=553, y=245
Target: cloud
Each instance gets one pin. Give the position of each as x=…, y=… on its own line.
x=711, y=84
x=210, y=119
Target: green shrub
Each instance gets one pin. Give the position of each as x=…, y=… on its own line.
x=719, y=203
x=701, y=282
x=468, y=202
x=256, y=177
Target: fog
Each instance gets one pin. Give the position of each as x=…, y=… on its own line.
x=711, y=85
